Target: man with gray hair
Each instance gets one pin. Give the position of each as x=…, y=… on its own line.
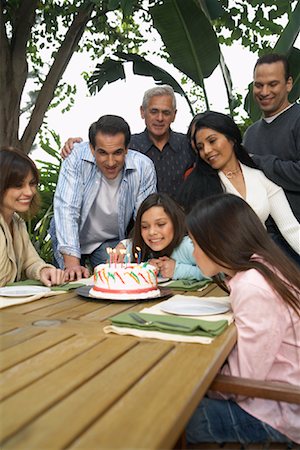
x=169, y=150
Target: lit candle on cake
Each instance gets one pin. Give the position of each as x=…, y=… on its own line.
x=115, y=257
x=108, y=251
x=122, y=252
x=128, y=258
x=138, y=249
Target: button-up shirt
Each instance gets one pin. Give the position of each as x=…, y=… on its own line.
x=77, y=187
x=170, y=163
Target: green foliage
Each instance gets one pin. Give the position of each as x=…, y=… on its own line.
x=112, y=70
x=255, y=23
x=189, y=38
x=111, y=27
x=49, y=171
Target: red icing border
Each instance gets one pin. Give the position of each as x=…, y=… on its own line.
x=123, y=291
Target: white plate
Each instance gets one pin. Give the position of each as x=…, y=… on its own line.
x=22, y=291
x=194, y=307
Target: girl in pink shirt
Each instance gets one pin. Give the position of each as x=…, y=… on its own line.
x=264, y=287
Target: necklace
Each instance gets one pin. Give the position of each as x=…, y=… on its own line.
x=231, y=173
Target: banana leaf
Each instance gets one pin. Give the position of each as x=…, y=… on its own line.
x=189, y=38
x=112, y=70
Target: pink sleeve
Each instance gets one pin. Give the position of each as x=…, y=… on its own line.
x=259, y=317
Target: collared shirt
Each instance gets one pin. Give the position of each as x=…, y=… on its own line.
x=171, y=163
x=77, y=187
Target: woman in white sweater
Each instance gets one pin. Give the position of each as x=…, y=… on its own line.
x=223, y=165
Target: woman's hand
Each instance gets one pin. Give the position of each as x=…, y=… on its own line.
x=167, y=267
x=155, y=262
x=51, y=276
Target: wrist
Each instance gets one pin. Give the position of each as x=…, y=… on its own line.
x=71, y=261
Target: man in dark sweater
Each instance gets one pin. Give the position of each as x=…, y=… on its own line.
x=274, y=140
x=170, y=151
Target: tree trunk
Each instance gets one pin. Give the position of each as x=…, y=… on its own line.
x=14, y=72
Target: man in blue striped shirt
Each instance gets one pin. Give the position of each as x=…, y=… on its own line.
x=100, y=187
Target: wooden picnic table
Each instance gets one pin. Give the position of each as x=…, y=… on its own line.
x=67, y=384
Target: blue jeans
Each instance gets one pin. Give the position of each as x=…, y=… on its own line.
x=99, y=255
x=224, y=421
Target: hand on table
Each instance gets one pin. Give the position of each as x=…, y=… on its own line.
x=51, y=276
x=76, y=272
x=68, y=146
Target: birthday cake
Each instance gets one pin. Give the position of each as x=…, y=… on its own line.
x=125, y=281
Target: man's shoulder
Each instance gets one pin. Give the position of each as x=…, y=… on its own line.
x=136, y=158
x=291, y=113
x=81, y=152
x=178, y=135
x=253, y=126
x=180, y=142
x=140, y=135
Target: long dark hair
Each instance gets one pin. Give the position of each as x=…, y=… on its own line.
x=175, y=213
x=15, y=166
x=204, y=180
x=230, y=234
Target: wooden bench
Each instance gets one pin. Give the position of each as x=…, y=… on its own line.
x=282, y=392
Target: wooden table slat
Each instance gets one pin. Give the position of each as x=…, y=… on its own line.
x=24, y=373
x=38, y=305
x=66, y=384
x=16, y=336
x=108, y=385
x=166, y=392
x=30, y=402
x=31, y=347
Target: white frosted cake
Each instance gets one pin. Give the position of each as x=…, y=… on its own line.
x=125, y=281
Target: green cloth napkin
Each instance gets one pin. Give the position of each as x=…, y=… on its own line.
x=60, y=287
x=188, y=285
x=194, y=327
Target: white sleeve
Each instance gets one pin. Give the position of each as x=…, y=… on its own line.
x=282, y=214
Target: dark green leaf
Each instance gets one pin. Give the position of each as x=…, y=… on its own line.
x=107, y=72
x=213, y=8
x=251, y=106
x=143, y=67
x=188, y=36
x=127, y=7
x=294, y=61
x=290, y=33
x=113, y=4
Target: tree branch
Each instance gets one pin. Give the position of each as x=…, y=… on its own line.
x=59, y=65
x=4, y=49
